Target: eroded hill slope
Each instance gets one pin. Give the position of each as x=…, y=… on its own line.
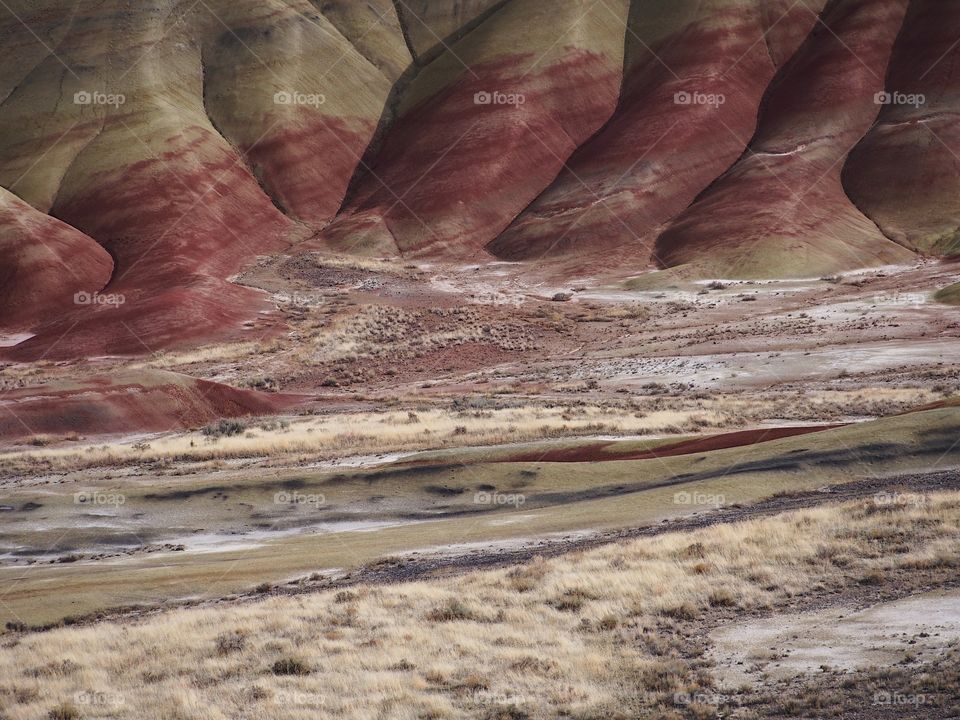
x=164, y=146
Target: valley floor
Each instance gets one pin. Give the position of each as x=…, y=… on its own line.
x=724, y=619
x=484, y=499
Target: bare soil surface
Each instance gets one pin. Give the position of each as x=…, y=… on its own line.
x=916, y=628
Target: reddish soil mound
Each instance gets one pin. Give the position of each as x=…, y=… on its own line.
x=45, y=264
x=904, y=173
x=172, y=250
x=781, y=211
x=146, y=171
x=658, y=152
x=606, y=451
x=473, y=146
x=141, y=402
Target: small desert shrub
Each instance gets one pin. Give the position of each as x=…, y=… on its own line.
x=231, y=642
x=435, y=677
x=662, y=676
x=290, y=666
x=572, y=600
x=451, y=610
x=722, y=597
x=264, y=383
x=695, y=551
x=473, y=683
x=347, y=618
x=608, y=622
x=53, y=669
x=64, y=711
x=527, y=577
x=701, y=568
x=224, y=428
x=684, y=611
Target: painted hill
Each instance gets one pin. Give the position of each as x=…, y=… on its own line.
x=150, y=151
x=782, y=208
x=904, y=174
x=146, y=401
x=46, y=264
x=664, y=145
x=484, y=128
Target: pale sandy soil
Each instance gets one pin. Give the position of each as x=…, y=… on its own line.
x=845, y=638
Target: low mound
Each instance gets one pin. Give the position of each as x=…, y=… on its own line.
x=949, y=295
x=124, y=320
x=611, y=450
x=149, y=401
x=46, y=264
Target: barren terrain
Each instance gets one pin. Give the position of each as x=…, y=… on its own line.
x=494, y=359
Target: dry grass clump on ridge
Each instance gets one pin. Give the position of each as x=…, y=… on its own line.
x=366, y=434
x=600, y=634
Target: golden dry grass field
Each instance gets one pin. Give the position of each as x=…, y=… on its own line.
x=606, y=633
